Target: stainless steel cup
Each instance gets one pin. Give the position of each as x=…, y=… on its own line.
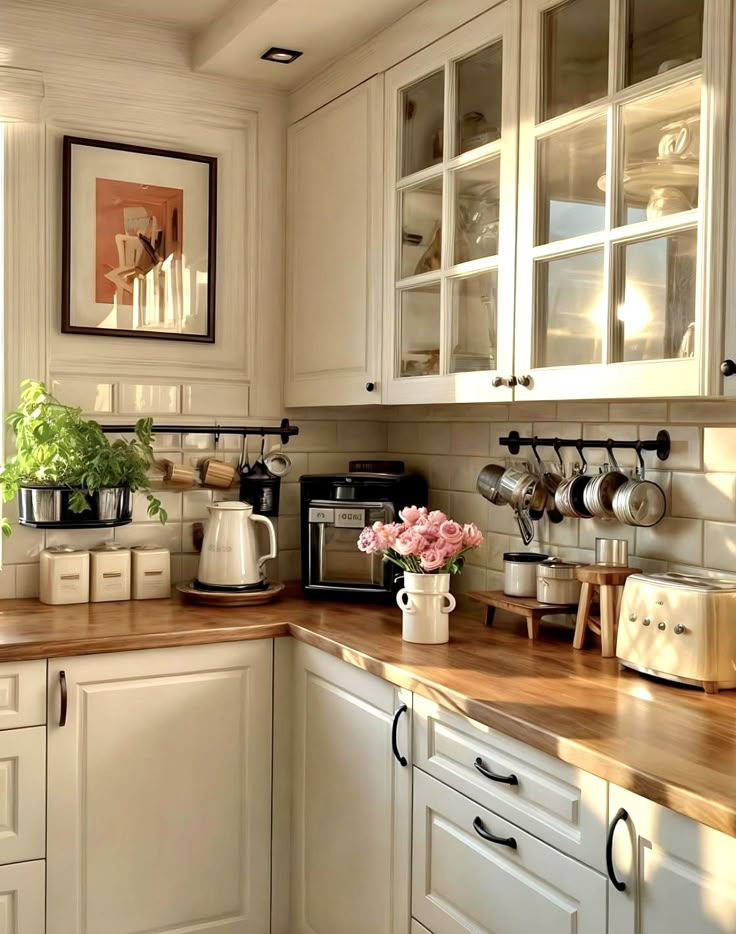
x=613, y=552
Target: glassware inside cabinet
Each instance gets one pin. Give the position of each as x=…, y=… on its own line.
x=662, y=36
x=421, y=228
x=474, y=317
x=420, y=330
x=571, y=310
x=575, y=44
x=661, y=164
x=656, y=311
x=570, y=164
x=478, y=102
x=422, y=124
x=477, y=197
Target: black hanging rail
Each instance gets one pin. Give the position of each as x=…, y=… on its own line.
x=284, y=430
x=661, y=444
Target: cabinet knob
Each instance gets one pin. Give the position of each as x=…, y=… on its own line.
x=525, y=381
x=498, y=381
x=511, y=382
x=728, y=368
x=369, y=387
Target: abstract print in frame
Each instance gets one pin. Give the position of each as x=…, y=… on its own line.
x=139, y=230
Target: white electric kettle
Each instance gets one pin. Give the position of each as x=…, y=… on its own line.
x=229, y=559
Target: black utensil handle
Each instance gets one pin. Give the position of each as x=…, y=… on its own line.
x=621, y=814
x=492, y=838
x=394, y=730
x=63, y=708
x=505, y=779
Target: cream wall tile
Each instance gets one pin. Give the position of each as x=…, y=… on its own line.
x=195, y=503
x=328, y=463
x=719, y=449
x=188, y=567
x=315, y=436
x=290, y=504
x=78, y=538
x=419, y=438
x=685, y=451
x=638, y=412
x=672, y=540
x=362, y=436
x=471, y=507
x=704, y=496
x=150, y=533
x=7, y=581
x=582, y=411
x=590, y=529
x=197, y=442
x=532, y=411
x=166, y=442
x=648, y=565
x=717, y=412
x=464, y=473
x=24, y=545
x=617, y=432
x=148, y=399
x=289, y=535
x=471, y=438
x=720, y=546
x=228, y=400
x=439, y=499
x=187, y=537
x=171, y=502
x=566, y=533
x=497, y=546
x=289, y=565
x=27, y=581
x=497, y=450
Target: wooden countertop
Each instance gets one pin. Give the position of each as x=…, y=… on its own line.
x=674, y=745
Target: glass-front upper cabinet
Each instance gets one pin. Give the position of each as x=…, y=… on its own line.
x=621, y=193
x=450, y=218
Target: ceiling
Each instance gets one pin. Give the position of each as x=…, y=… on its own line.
x=229, y=36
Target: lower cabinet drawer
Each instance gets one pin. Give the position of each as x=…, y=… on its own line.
x=551, y=799
x=514, y=884
x=22, y=897
x=22, y=795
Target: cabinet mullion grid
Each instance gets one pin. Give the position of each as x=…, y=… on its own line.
x=448, y=218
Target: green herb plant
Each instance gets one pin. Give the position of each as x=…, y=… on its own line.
x=57, y=447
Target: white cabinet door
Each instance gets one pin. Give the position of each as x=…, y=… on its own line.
x=159, y=800
x=680, y=876
x=351, y=815
x=22, y=898
x=464, y=882
x=334, y=216
x=22, y=794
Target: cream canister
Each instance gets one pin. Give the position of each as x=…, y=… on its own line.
x=151, y=572
x=109, y=573
x=64, y=576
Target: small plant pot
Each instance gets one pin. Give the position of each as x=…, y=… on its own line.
x=112, y=504
x=44, y=507
x=39, y=504
x=426, y=602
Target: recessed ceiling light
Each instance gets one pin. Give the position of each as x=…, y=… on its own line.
x=284, y=56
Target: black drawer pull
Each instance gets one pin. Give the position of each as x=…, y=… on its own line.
x=482, y=832
x=62, y=688
x=394, y=729
x=504, y=779
x=621, y=814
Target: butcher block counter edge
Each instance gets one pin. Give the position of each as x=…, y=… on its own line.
x=676, y=747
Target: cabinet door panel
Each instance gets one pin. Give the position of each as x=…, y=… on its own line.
x=462, y=882
x=22, y=694
x=22, y=794
x=351, y=833
x=159, y=792
x=679, y=875
x=333, y=254
x=22, y=898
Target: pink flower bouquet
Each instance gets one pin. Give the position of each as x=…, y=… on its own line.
x=423, y=542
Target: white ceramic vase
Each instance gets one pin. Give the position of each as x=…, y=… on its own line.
x=426, y=602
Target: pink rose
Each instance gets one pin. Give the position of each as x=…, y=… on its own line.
x=368, y=542
x=386, y=535
x=450, y=550
x=430, y=531
x=472, y=536
x=452, y=533
x=436, y=517
x=410, y=542
x=410, y=514
x=433, y=558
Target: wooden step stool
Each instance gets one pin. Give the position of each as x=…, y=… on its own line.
x=610, y=581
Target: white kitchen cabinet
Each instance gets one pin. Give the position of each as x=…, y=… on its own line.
x=679, y=876
x=22, y=794
x=351, y=832
x=22, y=898
x=473, y=871
x=159, y=791
x=334, y=269
x=452, y=112
x=622, y=178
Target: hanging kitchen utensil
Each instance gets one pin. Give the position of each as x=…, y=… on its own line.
x=260, y=488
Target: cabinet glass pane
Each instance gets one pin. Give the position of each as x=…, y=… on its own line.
x=662, y=36
x=422, y=125
x=661, y=154
x=571, y=165
x=421, y=228
x=476, y=212
x=656, y=313
x=575, y=48
x=478, y=105
x=474, y=313
x=571, y=310
x=420, y=331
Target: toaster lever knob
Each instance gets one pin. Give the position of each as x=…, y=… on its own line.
x=662, y=626
x=646, y=621
x=632, y=617
x=679, y=629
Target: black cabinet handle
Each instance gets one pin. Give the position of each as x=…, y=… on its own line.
x=492, y=838
x=505, y=779
x=621, y=814
x=369, y=387
x=394, y=730
x=62, y=688
x=728, y=368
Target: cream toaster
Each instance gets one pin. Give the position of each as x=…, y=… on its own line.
x=680, y=627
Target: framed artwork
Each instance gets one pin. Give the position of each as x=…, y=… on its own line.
x=139, y=231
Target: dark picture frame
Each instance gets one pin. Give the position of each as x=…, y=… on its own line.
x=138, y=251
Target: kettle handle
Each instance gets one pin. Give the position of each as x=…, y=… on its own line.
x=271, y=539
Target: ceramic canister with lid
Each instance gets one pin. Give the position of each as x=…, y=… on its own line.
x=151, y=572
x=109, y=573
x=520, y=573
x=557, y=581
x=64, y=576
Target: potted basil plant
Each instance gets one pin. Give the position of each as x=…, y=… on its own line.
x=66, y=471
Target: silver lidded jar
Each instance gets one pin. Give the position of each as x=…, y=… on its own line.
x=520, y=573
x=557, y=582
